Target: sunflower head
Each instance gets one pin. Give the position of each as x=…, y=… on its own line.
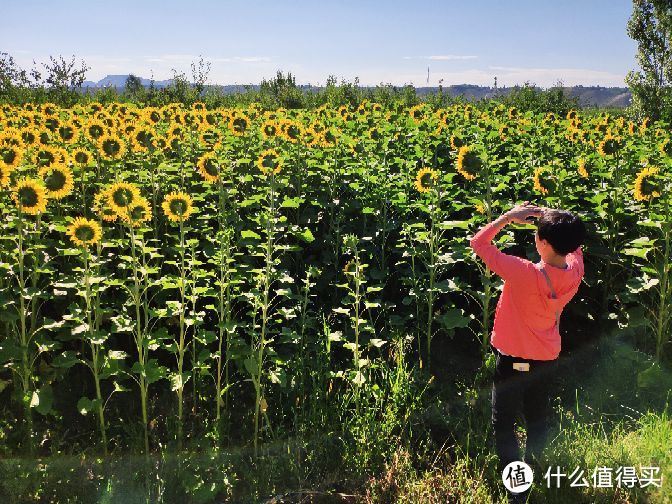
x=269, y=129
x=177, y=206
x=121, y=196
x=30, y=196
x=456, y=142
x=269, y=162
x=209, y=167
x=137, y=212
x=5, y=172
x=417, y=113
x=292, y=130
x=646, y=186
x=646, y=122
x=426, y=179
x=543, y=181
x=95, y=129
x=468, y=162
x=58, y=180
x=81, y=156
x=111, y=147
x=11, y=155
x=84, y=232
x=666, y=147
x=581, y=168
x=102, y=207
x=238, y=124
x=329, y=138
x=609, y=146
x=67, y=132
x=350, y=270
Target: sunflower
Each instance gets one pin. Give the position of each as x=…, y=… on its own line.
x=52, y=124
x=211, y=137
x=426, y=179
x=468, y=162
x=67, y=132
x=29, y=136
x=456, y=142
x=582, y=168
x=666, y=147
x=642, y=194
x=94, y=129
x=631, y=128
x=269, y=162
x=84, y=232
x=58, y=180
x=350, y=269
x=269, y=129
x=329, y=139
x=142, y=140
x=209, y=167
x=238, y=124
x=503, y=132
x=572, y=114
x=538, y=182
x=343, y=111
x=479, y=207
x=311, y=137
x=646, y=122
x=11, y=155
x=81, y=156
x=48, y=109
x=291, y=130
x=5, y=172
x=110, y=147
x=102, y=208
x=177, y=206
x=121, y=196
x=512, y=113
x=48, y=156
x=137, y=212
x=417, y=113
x=609, y=145
x=152, y=115
x=30, y=196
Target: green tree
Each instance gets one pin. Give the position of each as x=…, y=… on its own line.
x=134, y=85
x=651, y=26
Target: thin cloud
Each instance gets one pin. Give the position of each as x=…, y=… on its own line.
x=442, y=57
x=243, y=59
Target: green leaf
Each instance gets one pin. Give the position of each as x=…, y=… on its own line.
x=249, y=234
x=84, y=405
x=307, y=236
x=376, y=342
x=251, y=366
x=42, y=400
x=454, y=317
x=66, y=360
x=291, y=202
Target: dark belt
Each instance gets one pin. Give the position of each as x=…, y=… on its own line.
x=521, y=363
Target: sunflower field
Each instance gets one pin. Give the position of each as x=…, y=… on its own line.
x=184, y=278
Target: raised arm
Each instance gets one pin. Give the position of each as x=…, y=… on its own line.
x=507, y=266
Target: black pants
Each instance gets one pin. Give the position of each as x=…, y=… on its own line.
x=512, y=389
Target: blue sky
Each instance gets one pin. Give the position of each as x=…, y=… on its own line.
x=542, y=41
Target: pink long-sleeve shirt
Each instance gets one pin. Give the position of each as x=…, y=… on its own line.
x=525, y=315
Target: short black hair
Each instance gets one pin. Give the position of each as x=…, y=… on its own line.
x=562, y=229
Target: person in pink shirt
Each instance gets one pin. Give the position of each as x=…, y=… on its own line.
x=526, y=334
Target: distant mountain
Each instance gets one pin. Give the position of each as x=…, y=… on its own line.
x=588, y=95
x=119, y=81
